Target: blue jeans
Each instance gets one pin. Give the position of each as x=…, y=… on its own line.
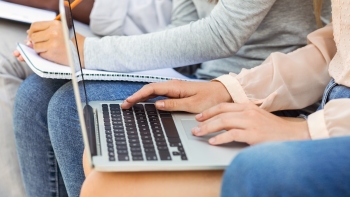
x=300, y=168
x=48, y=134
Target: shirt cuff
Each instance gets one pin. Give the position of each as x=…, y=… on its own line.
x=234, y=88
x=317, y=125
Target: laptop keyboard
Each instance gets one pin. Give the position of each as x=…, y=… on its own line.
x=137, y=134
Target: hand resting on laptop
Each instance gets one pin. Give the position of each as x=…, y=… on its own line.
x=244, y=122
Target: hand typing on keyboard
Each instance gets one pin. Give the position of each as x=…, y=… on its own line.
x=191, y=97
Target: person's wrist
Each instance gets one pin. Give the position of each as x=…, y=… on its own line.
x=223, y=94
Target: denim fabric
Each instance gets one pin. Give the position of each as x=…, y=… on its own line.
x=302, y=168
x=48, y=134
x=64, y=127
x=38, y=165
x=334, y=91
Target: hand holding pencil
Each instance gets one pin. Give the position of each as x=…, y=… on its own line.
x=46, y=38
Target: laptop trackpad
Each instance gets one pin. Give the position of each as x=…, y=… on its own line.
x=189, y=124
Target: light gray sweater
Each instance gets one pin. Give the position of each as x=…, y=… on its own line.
x=247, y=31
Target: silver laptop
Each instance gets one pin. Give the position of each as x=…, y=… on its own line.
x=141, y=138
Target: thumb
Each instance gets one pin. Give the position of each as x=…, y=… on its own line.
x=175, y=105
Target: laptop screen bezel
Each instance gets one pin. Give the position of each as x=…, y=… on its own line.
x=75, y=81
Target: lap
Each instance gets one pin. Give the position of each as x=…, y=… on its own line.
x=301, y=168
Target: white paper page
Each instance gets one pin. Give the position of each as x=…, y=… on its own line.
x=24, y=14
x=40, y=65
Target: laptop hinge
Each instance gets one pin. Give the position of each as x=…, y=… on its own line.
x=90, y=128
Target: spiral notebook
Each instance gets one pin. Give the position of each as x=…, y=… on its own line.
x=48, y=69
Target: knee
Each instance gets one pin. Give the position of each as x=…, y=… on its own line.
x=62, y=111
x=257, y=171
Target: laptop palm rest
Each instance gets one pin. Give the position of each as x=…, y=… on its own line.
x=189, y=124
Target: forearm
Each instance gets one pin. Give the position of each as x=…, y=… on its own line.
x=197, y=42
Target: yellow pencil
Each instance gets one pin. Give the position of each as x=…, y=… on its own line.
x=72, y=6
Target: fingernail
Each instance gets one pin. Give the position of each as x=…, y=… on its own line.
x=199, y=115
x=28, y=43
x=212, y=140
x=196, y=130
x=160, y=104
x=27, y=31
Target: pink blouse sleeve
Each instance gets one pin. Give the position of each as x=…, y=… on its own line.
x=286, y=81
x=332, y=121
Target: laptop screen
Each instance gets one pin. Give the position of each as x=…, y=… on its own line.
x=87, y=118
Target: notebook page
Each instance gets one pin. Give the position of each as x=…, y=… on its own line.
x=23, y=13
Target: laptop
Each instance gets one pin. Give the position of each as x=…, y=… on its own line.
x=141, y=138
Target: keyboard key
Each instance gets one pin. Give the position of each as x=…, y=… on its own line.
x=150, y=150
x=158, y=135
x=164, y=155
x=119, y=122
x=160, y=139
x=136, y=153
x=161, y=143
x=118, y=130
x=121, y=147
x=123, y=152
x=147, y=141
x=111, y=158
x=148, y=146
x=111, y=154
x=132, y=132
x=170, y=128
x=110, y=149
x=137, y=158
x=109, y=140
x=175, y=140
x=117, y=119
x=123, y=158
x=146, y=137
x=160, y=148
x=130, y=124
x=145, y=133
x=119, y=134
x=144, y=129
x=108, y=128
x=151, y=157
x=133, y=136
x=110, y=144
x=109, y=136
x=184, y=157
x=150, y=107
x=120, y=142
x=134, y=144
x=134, y=141
x=120, y=139
x=135, y=149
x=108, y=131
x=118, y=126
x=138, y=107
x=176, y=153
x=104, y=106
